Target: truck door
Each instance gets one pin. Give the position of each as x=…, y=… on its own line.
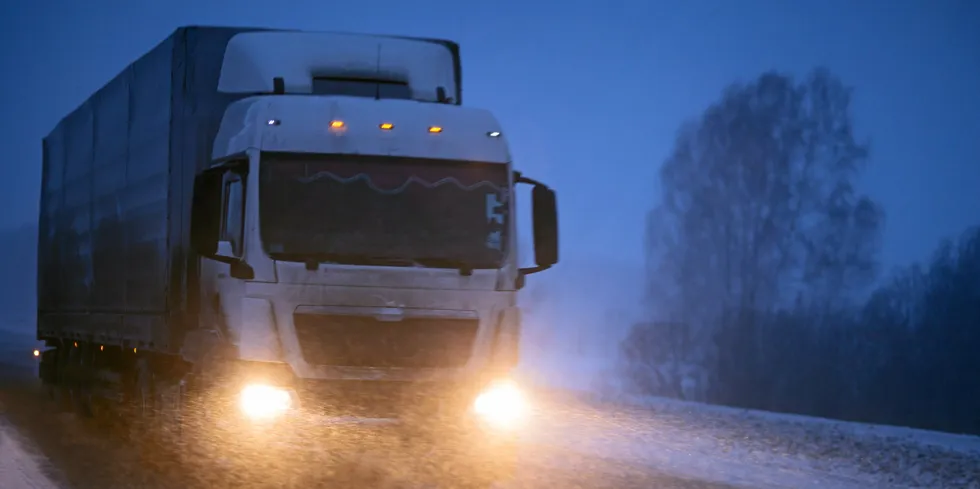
x=231, y=243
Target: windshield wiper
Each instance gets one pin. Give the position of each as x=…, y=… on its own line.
x=313, y=260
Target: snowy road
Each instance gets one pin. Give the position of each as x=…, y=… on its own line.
x=84, y=458
x=52, y=446
x=571, y=443
x=761, y=450
x=20, y=468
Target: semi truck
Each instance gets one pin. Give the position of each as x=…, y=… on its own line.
x=290, y=229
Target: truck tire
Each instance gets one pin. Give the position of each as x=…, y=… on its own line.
x=144, y=418
x=74, y=377
x=50, y=372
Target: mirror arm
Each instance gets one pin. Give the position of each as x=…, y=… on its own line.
x=242, y=270
x=224, y=259
x=519, y=282
x=245, y=270
x=531, y=270
x=520, y=178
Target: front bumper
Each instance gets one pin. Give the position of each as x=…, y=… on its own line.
x=499, y=408
x=435, y=433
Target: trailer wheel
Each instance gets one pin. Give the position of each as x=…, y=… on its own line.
x=139, y=405
x=85, y=398
x=71, y=381
x=52, y=373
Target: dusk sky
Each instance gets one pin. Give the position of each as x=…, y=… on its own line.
x=590, y=93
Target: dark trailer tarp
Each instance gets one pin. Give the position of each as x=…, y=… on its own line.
x=113, y=259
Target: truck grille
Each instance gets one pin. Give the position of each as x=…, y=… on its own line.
x=364, y=341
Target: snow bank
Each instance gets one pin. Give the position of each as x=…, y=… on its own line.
x=20, y=469
x=760, y=449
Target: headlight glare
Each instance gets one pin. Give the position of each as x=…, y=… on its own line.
x=259, y=401
x=502, y=404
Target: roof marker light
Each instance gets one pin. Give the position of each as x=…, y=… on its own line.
x=494, y=134
x=386, y=126
x=336, y=124
x=273, y=122
x=435, y=129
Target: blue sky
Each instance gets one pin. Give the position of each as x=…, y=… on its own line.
x=590, y=92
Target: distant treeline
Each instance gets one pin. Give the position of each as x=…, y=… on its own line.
x=762, y=264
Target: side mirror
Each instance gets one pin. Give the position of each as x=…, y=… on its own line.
x=206, y=212
x=544, y=209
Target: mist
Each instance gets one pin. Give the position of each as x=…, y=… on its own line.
x=576, y=317
x=18, y=246
x=600, y=134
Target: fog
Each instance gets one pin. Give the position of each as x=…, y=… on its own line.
x=834, y=333
x=18, y=246
x=576, y=316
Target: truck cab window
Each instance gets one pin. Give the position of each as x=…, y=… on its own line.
x=232, y=214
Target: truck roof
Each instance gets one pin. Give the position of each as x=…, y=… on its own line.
x=210, y=42
x=325, y=62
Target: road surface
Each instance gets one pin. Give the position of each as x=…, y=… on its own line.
x=80, y=454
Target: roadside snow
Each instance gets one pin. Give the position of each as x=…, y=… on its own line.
x=18, y=468
x=759, y=449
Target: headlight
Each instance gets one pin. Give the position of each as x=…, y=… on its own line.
x=259, y=401
x=502, y=404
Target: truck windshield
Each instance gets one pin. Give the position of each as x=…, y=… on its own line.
x=371, y=210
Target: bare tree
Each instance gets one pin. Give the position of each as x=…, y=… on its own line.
x=759, y=214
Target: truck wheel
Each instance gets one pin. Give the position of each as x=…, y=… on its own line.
x=72, y=381
x=50, y=374
x=62, y=389
x=86, y=401
x=139, y=403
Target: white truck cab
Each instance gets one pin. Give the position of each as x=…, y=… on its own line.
x=251, y=229
x=361, y=238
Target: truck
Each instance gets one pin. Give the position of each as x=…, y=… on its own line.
x=291, y=229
